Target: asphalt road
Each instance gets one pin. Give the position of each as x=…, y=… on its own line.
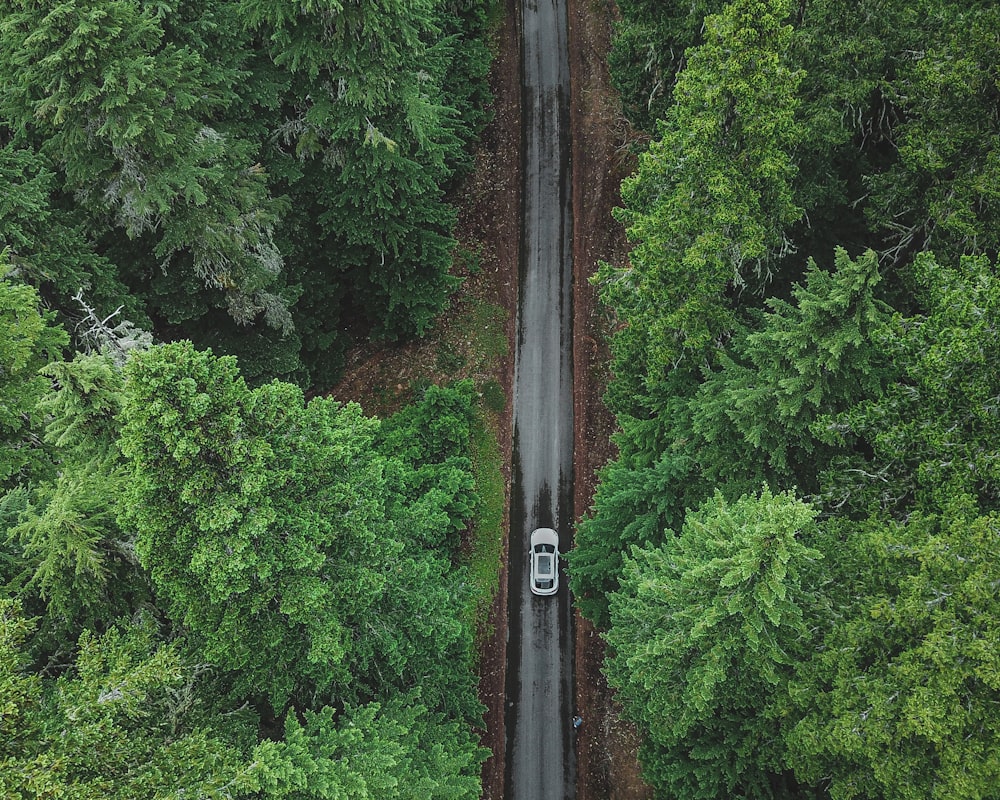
x=540, y=752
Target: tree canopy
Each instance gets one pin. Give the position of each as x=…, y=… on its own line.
x=264, y=178
x=217, y=581
x=809, y=307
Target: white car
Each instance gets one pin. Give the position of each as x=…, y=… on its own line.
x=544, y=561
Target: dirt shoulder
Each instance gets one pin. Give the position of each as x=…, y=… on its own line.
x=606, y=746
x=491, y=216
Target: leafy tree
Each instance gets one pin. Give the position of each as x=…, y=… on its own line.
x=900, y=700
x=111, y=727
x=29, y=338
x=706, y=632
x=72, y=547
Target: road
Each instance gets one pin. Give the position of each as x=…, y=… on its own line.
x=540, y=752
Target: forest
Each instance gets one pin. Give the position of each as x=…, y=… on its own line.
x=218, y=582
x=794, y=555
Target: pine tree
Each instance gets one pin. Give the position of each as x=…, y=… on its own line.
x=29, y=338
x=711, y=199
x=110, y=727
x=706, y=631
x=806, y=360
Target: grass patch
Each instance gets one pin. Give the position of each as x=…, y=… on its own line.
x=493, y=396
x=487, y=531
x=448, y=361
x=481, y=327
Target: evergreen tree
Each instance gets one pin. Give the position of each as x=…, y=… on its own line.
x=649, y=49
x=708, y=206
x=396, y=751
x=933, y=433
x=72, y=555
x=819, y=356
x=706, y=632
x=899, y=702
x=254, y=514
x=943, y=192
x=127, y=114
x=47, y=246
x=112, y=726
x=29, y=338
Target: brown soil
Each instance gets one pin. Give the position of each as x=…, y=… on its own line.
x=606, y=745
x=489, y=224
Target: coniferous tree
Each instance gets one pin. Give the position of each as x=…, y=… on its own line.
x=899, y=701
x=712, y=196
x=113, y=726
x=128, y=116
x=395, y=751
x=72, y=555
x=706, y=631
x=254, y=512
x=760, y=416
x=29, y=338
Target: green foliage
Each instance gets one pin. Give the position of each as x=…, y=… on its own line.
x=302, y=548
x=220, y=165
x=634, y=506
x=943, y=193
x=934, y=431
x=784, y=321
x=712, y=196
x=759, y=417
x=72, y=555
x=805, y=360
x=127, y=115
x=648, y=50
x=705, y=633
x=112, y=727
x=882, y=685
x=71, y=544
x=47, y=245
x=431, y=438
x=394, y=752
x=380, y=121
x=29, y=338
x=900, y=700
x=253, y=513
